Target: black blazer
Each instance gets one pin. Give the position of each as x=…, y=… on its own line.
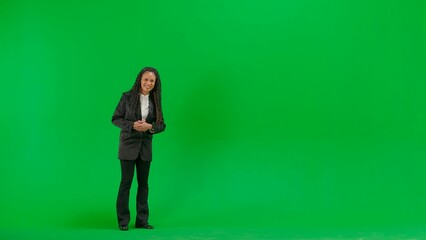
x=133, y=142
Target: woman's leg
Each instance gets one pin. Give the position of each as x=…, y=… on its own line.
x=127, y=172
x=142, y=169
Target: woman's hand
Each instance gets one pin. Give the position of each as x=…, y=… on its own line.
x=141, y=126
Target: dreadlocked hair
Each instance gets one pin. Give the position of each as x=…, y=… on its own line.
x=154, y=95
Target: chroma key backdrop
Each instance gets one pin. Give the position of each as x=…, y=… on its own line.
x=285, y=119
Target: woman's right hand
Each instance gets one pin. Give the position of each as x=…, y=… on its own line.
x=141, y=126
x=138, y=125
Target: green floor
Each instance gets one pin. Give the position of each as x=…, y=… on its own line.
x=211, y=233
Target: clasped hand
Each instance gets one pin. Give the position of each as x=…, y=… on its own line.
x=141, y=126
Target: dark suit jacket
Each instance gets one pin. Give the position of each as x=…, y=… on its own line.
x=133, y=142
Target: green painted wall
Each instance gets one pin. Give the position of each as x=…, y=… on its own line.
x=278, y=112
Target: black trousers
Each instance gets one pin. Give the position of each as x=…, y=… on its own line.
x=127, y=172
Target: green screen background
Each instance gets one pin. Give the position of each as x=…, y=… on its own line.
x=279, y=113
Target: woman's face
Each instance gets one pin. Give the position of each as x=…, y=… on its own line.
x=147, y=82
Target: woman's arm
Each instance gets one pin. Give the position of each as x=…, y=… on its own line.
x=119, y=114
x=157, y=127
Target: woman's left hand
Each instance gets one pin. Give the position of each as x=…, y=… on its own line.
x=145, y=127
x=141, y=126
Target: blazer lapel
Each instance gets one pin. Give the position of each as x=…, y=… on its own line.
x=138, y=109
x=151, y=113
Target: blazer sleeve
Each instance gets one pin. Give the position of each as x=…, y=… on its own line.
x=118, y=118
x=158, y=127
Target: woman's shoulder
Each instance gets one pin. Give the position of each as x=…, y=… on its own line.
x=126, y=94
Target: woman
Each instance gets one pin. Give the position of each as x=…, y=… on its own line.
x=139, y=115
